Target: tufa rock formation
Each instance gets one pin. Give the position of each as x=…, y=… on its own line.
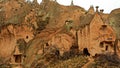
x=30, y=31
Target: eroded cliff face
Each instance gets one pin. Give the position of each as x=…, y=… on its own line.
x=22, y=20
x=13, y=15
x=7, y=43
x=47, y=28
x=9, y=35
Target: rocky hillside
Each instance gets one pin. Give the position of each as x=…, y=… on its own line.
x=42, y=33
x=29, y=21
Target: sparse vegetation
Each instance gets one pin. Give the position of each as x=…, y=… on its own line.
x=42, y=23
x=69, y=25
x=75, y=62
x=4, y=64
x=21, y=45
x=106, y=61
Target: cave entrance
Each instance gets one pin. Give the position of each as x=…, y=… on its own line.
x=18, y=58
x=106, y=48
x=86, y=52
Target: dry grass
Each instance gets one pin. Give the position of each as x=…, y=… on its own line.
x=106, y=61
x=75, y=62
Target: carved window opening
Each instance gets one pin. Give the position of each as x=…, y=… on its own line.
x=18, y=58
x=47, y=44
x=71, y=28
x=106, y=48
x=103, y=27
x=27, y=37
x=101, y=44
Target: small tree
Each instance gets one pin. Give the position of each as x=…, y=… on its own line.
x=69, y=25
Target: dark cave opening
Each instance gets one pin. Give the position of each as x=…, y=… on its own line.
x=86, y=52
x=18, y=58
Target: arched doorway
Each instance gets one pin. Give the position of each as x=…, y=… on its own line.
x=86, y=52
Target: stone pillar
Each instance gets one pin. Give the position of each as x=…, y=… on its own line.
x=101, y=11
x=97, y=8
x=72, y=3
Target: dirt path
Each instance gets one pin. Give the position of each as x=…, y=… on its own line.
x=87, y=64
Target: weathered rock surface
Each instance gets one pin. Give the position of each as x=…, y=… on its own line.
x=31, y=31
